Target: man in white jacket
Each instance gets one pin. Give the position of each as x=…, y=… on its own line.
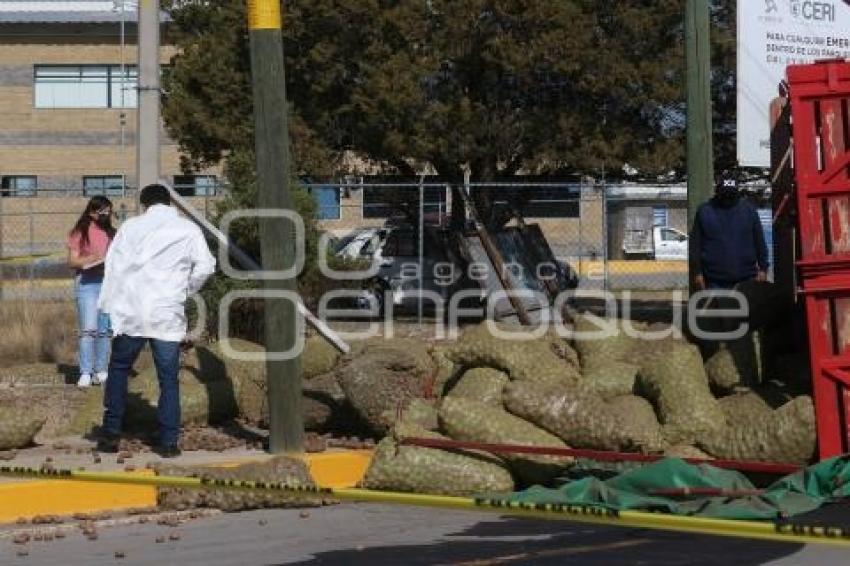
x=155, y=262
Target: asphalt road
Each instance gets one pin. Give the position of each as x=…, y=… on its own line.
x=388, y=535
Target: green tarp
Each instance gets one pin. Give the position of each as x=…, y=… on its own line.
x=797, y=493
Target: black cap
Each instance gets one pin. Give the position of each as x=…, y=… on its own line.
x=726, y=183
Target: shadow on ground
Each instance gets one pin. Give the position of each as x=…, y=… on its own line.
x=517, y=541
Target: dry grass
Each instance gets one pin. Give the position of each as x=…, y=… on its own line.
x=37, y=331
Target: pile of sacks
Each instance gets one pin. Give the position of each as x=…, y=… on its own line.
x=216, y=388
x=618, y=392
x=621, y=392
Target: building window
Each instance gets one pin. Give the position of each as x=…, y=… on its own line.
x=123, y=89
x=327, y=202
x=384, y=202
x=196, y=185
x=659, y=216
x=387, y=202
x=107, y=185
x=85, y=86
x=551, y=202
x=19, y=185
x=435, y=204
x=668, y=235
x=537, y=202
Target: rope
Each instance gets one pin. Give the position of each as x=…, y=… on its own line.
x=600, y=455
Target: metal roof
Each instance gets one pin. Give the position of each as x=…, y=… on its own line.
x=65, y=11
x=63, y=5
x=648, y=192
x=64, y=17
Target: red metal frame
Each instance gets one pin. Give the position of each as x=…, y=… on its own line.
x=820, y=111
x=778, y=468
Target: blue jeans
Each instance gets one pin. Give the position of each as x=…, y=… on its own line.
x=166, y=358
x=93, y=325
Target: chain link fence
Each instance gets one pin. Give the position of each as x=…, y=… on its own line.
x=34, y=232
x=606, y=237
x=620, y=237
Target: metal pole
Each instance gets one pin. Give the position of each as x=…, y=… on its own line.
x=123, y=115
x=277, y=246
x=31, y=231
x=249, y=264
x=2, y=250
x=580, y=229
x=123, y=65
x=700, y=152
x=447, y=192
x=147, y=147
x=605, y=235
x=2, y=230
x=421, y=247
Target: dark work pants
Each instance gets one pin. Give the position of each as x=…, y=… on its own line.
x=166, y=357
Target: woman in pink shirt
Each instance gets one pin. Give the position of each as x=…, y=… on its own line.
x=87, y=245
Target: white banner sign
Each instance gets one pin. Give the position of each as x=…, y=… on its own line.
x=773, y=34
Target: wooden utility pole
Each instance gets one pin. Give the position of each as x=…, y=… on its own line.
x=699, y=129
x=277, y=235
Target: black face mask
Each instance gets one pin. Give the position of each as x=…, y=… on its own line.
x=102, y=220
x=727, y=197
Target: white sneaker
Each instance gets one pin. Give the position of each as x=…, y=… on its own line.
x=100, y=378
x=85, y=380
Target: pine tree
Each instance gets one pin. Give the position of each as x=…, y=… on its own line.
x=495, y=86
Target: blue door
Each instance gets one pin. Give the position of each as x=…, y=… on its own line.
x=327, y=202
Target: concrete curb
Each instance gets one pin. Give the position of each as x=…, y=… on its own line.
x=26, y=499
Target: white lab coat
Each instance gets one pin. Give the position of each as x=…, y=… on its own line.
x=155, y=262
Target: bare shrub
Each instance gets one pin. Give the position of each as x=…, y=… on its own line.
x=37, y=331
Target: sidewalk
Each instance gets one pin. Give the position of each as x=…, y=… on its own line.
x=28, y=498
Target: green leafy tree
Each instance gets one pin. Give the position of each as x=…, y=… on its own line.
x=723, y=83
x=495, y=86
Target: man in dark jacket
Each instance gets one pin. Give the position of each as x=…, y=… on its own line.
x=727, y=240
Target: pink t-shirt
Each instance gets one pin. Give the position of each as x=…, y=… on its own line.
x=98, y=242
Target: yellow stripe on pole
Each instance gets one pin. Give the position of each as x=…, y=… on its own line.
x=764, y=530
x=264, y=14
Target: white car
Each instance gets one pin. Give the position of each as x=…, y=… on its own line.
x=670, y=243
x=362, y=245
x=661, y=243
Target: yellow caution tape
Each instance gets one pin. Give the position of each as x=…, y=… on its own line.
x=765, y=530
x=264, y=14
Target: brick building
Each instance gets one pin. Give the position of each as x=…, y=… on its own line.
x=68, y=130
x=68, y=99
x=68, y=118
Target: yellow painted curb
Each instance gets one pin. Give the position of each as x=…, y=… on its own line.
x=27, y=499
x=30, y=498
x=338, y=469
x=636, y=267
